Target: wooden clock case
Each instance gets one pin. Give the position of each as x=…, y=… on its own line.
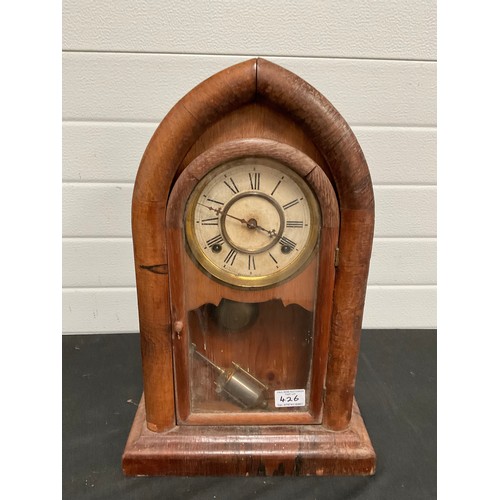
x=254, y=108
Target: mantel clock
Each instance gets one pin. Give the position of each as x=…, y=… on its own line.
x=252, y=224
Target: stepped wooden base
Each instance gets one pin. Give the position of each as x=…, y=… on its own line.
x=300, y=450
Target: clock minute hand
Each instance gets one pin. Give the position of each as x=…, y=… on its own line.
x=217, y=210
x=243, y=221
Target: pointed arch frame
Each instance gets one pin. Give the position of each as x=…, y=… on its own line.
x=218, y=95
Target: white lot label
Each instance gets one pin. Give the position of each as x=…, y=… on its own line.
x=290, y=397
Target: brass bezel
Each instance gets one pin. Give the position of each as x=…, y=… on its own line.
x=251, y=282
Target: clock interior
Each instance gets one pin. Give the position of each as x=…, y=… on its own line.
x=244, y=356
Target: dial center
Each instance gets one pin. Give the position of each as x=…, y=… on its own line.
x=252, y=222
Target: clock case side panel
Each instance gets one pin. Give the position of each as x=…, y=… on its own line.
x=311, y=282
x=349, y=172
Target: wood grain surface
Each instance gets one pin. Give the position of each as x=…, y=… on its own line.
x=304, y=450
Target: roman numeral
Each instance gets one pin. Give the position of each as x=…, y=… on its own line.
x=230, y=257
x=254, y=180
x=287, y=242
x=276, y=187
x=234, y=189
x=211, y=221
x=272, y=257
x=216, y=240
x=290, y=204
x=251, y=262
x=295, y=223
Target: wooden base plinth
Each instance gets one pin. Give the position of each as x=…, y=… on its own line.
x=301, y=450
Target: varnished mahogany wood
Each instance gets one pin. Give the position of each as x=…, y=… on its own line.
x=252, y=99
x=255, y=119
x=259, y=450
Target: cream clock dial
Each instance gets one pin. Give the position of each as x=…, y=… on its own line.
x=252, y=222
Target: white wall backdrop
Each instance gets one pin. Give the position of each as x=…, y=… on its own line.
x=126, y=63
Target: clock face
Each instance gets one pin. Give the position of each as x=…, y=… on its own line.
x=252, y=222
